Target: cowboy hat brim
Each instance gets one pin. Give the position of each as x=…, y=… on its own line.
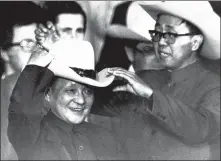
x=103, y=79
x=205, y=19
x=122, y=32
x=138, y=24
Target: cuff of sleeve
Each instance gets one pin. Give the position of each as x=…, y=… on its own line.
x=150, y=102
x=155, y=104
x=159, y=105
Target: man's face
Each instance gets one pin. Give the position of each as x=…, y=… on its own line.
x=70, y=26
x=71, y=101
x=173, y=56
x=143, y=57
x=17, y=57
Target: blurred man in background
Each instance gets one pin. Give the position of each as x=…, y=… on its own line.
x=18, y=23
x=69, y=18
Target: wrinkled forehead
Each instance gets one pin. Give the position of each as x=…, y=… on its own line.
x=70, y=20
x=169, y=22
x=61, y=84
x=24, y=32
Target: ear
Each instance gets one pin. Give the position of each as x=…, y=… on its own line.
x=196, y=42
x=4, y=55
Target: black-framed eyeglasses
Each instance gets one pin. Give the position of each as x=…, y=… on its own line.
x=169, y=37
x=26, y=45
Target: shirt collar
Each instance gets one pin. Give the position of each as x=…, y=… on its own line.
x=54, y=120
x=64, y=126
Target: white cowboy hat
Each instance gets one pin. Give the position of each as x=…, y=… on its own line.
x=138, y=24
x=74, y=60
x=199, y=13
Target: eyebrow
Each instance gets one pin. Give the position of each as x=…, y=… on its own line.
x=157, y=25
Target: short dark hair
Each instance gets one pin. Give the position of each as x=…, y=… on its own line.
x=191, y=26
x=16, y=13
x=51, y=84
x=194, y=29
x=54, y=8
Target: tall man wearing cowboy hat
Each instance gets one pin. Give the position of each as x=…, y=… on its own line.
x=179, y=107
x=50, y=101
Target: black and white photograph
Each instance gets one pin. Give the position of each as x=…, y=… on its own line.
x=110, y=80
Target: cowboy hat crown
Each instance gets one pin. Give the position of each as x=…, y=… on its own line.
x=74, y=60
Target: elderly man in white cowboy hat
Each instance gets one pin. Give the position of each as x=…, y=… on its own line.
x=181, y=105
x=52, y=98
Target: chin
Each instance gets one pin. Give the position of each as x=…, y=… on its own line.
x=76, y=120
x=167, y=63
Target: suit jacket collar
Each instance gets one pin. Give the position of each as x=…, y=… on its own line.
x=189, y=72
x=60, y=127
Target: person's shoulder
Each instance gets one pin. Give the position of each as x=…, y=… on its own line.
x=210, y=77
x=207, y=80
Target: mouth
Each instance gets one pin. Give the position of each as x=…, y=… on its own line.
x=72, y=107
x=77, y=109
x=163, y=54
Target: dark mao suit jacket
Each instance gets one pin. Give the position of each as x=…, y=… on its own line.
x=36, y=133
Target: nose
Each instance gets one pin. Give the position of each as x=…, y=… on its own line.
x=162, y=41
x=79, y=98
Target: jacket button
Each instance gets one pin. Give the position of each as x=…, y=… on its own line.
x=163, y=117
x=170, y=84
x=153, y=132
x=81, y=147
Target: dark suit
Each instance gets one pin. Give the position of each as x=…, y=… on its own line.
x=35, y=135
x=183, y=121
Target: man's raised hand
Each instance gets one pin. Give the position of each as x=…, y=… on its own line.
x=135, y=85
x=46, y=35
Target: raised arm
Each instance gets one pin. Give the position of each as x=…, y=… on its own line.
x=26, y=108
